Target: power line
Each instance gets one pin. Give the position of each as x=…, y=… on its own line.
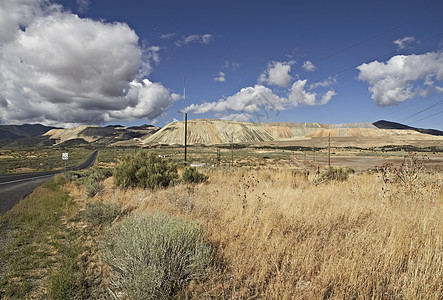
x=407, y=106
x=398, y=110
x=368, y=39
x=378, y=34
x=419, y=112
x=426, y=117
x=377, y=58
x=371, y=38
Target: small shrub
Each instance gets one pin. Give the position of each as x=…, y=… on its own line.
x=153, y=256
x=145, y=170
x=98, y=213
x=93, y=186
x=73, y=175
x=92, y=179
x=333, y=173
x=105, y=172
x=191, y=175
x=52, y=185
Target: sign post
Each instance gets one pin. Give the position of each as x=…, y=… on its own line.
x=65, y=158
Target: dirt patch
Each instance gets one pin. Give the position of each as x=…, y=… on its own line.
x=365, y=163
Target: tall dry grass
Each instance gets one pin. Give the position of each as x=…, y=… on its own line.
x=279, y=235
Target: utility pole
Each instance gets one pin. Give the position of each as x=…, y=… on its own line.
x=329, y=149
x=232, y=150
x=186, y=117
x=218, y=157
x=313, y=153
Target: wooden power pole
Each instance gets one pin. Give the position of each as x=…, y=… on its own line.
x=329, y=149
x=186, y=117
x=186, y=134
x=232, y=150
x=313, y=153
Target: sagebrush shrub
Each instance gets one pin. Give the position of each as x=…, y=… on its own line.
x=333, y=173
x=153, y=256
x=191, y=175
x=72, y=175
x=92, y=179
x=99, y=213
x=93, y=186
x=145, y=170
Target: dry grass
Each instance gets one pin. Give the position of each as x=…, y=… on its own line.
x=278, y=235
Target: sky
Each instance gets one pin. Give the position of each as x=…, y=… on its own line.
x=72, y=62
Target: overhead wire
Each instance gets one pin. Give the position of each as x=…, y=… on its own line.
x=369, y=39
x=407, y=106
x=374, y=59
x=378, y=34
x=400, y=109
x=374, y=37
x=437, y=113
x=419, y=112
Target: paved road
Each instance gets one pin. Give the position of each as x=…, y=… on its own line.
x=14, y=187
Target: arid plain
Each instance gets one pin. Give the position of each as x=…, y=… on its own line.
x=279, y=222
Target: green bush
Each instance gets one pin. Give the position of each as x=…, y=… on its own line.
x=73, y=175
x=100, y=213
x=145, y=170
x=93, y=186
x=338, y=174
x=153, y=256
x=105, y=172
x=191, y=175
x=92, y=179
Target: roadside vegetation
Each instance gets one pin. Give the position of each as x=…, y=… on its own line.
x=145, y=170
x=153, y=256
x=38, y=253
x=263, y=232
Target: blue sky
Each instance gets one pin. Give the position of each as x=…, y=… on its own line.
x=124, y=62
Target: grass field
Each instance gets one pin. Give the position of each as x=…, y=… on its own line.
x=277, y=232
x=279, y=235
x=361, y=159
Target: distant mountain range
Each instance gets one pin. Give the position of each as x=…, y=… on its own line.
x=39, y=135
x=382, y=124
x=200, y=131
x=13, y=132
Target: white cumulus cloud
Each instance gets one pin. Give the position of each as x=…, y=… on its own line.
x=300, y=96
x=20, y=13
x=249, y=100
x=229, y=65
x=277, y=73
x=221, y=77
x=253, y=100
x=167, y=36
x=309, y=66
x=241, y=117
x=402, y=77
x=404, y=42
x=60, y=69
x=324, y=83
x=195, y=38
x=83, y=5
x=152, y=99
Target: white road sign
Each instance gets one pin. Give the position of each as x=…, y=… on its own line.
x=65, y=156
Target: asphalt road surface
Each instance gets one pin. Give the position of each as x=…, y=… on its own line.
x=14, y=187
